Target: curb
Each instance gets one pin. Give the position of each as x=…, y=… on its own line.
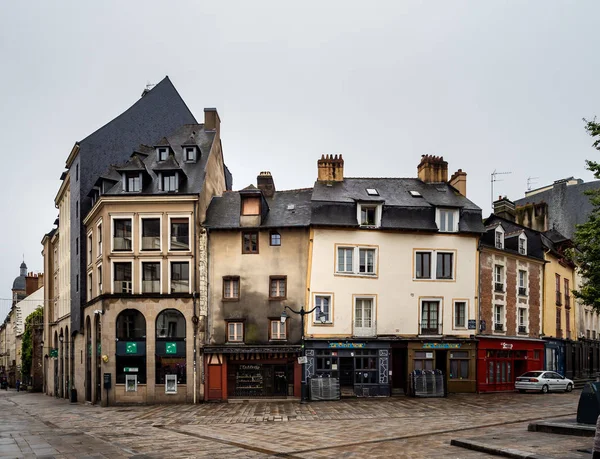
x=504, y=452
x=562, y=428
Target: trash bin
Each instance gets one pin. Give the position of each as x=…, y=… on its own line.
x=73, y=395
x=589, y=404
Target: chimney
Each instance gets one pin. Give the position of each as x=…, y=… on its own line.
x=212, y=122
x=331, y=168
x=505, y=208
x=265, y=183
x=459, y=181
x=433, y=169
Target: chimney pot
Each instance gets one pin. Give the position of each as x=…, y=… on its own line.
x=265, y=183
x=432, y=169
x=330, y=168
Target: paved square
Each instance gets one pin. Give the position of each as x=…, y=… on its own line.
x=35, y=425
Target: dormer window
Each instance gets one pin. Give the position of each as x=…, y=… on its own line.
x=162, y=153
x=170, y=181
x=251, y=205
x=369, y=215
x=522, y=244
x=189, y=154
x=447, y=220
x=499, y=237
x=133, y=182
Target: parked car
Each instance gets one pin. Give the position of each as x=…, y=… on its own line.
x=543, y=381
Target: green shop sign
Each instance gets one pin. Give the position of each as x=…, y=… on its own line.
x=171, y=348
x=54, y=352
x=441, y=345
x=131, y=348
x=130, y=369
x=339, y=345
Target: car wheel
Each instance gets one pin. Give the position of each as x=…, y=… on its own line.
x=545, y=389
x=522, y=391
x=569, y=387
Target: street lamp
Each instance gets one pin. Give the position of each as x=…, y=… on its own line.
x=321, y=317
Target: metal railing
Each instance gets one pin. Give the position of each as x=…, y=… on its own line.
x=522, y=291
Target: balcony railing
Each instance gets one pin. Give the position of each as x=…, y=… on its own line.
x=180, y=286
x=122, y=243
x=123, y=286
x=522, y=329
x=430, y=330
x=522, y=291
x=558, y=299
x=180, y=242
x=365, y=331
x=151, y=243
x=498, y=287
x=499, y=327
x=151, y=286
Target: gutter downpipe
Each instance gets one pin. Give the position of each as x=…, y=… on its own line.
x=478, y=325
x=195, y=316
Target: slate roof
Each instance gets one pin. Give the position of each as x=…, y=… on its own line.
x=224, y=211
x=193, y=173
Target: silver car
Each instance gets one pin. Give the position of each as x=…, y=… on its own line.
x=543, y=381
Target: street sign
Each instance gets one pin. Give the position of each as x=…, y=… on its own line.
x=302, y=359
x=472, y=324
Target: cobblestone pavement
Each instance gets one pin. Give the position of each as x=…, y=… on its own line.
x=35, y=425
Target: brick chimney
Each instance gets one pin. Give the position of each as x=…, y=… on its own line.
x=459, y=181
x=331, y=168
x=433, y=169
x=265, y=183
x=212, y=122
x=505, y=208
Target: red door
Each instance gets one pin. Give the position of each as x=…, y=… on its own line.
x=215, y=382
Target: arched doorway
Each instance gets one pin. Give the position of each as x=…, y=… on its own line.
x=67, y=357
x=171, y=369
x=131, y=349
x=61, y=364
x=88, y=360
x=55, y=361
x=98, y=354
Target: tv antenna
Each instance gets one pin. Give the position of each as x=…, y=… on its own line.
x=531, y=181
x=494, y=178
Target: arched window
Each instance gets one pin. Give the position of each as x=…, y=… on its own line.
x=131, y=349
x=170, y=349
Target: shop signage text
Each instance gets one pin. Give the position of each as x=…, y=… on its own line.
x=130, y=369
x=441, y=345
x=347, y=345
x=472, y=324
x=249, y=367
x=507, y=346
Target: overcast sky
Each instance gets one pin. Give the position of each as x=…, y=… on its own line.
x=489, y=85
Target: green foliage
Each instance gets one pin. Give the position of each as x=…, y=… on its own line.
x=587, y=236
x=35, y=318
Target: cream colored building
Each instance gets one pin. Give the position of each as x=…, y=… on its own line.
x=394, y=270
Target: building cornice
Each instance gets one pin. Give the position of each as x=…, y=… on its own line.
x=61, y=191
x=72, y=155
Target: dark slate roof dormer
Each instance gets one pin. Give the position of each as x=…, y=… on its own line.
x=512, y=231
x=170, y=164
x=162, y=143
x=135, y=164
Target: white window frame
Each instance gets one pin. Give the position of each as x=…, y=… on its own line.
x=173, y=380
x=503, y=323
x=187, y=149
x=466, y=314
x=112, y=273
x=502, y=277
x=522, y=239
x=525, y=321
x=329, y=319
x=159, y=150
x=356, y=249
x=191, y=232
x=374, y=205
x=238, y=337
x=365, y=331
x=126, y=182
x=99, y=275
x=99, y=228
x=190, y=274
x=441, y=213
x=114, y=217
x=281, y=334
x=90, y=287
x=90, y=253
x=162, y=177
x=141, y=273
x=440, y=317
x=433, y=265
x=499, y=231
x=160, y=238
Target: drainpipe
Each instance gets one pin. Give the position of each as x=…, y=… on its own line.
x=195, y=316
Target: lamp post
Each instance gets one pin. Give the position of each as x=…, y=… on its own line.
x=321, y=316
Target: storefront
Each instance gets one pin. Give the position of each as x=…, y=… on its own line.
x=456, y=359
x=500, y=360
x=555, y=355
x=244, y=372
x=362, y=367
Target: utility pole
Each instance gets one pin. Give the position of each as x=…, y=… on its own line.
x=493, y=179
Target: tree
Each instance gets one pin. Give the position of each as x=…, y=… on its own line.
x=34, y=319
x=587, y=235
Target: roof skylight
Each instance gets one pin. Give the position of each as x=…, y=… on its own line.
x=415, y=194
x=372, y=192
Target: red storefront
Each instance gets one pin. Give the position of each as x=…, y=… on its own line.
x=500, y=360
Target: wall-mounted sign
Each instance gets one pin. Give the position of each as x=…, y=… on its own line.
x=339, y=345
x=54, y=352
x=482, y=325
x=441, y=345
x=249, y=367
x=472, y=324
x=302, y=360
x=170, y=348
x=130, y=369
x=507, y=346
x=131, y=347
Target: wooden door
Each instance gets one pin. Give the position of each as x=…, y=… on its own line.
x=215, y=382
